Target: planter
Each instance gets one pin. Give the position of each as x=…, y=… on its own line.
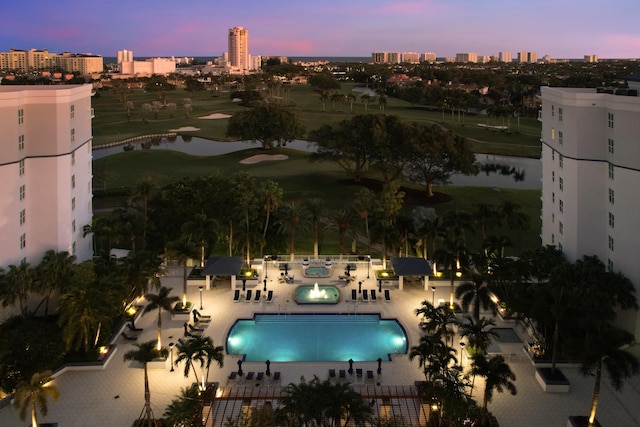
x=580, y=421
x=181, y=312
x=557, y=384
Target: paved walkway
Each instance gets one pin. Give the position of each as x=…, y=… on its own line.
x=114, y=396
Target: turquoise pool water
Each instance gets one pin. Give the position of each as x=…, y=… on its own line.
x=316, y=338
x=317, y=272
x=327, y=294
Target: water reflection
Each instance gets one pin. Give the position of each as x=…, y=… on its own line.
x=504, y=170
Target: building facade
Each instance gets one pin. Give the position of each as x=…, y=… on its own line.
x=590, y=175
x=239, y=48
x=467, y=57
x=36, y=59
x=505, y=56
x=45, y=171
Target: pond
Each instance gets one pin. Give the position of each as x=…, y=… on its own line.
x=495, y=171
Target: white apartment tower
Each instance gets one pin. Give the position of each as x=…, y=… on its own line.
x=125, y=56
x=239, y=48
x=590, y=178
x=505, y=56
x=45, y=171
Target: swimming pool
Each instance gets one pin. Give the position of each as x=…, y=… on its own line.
x=316, y=272
x=316, y=338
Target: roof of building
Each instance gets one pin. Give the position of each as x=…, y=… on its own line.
x=222, y=266
x=406, y=266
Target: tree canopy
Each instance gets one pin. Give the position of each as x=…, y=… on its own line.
x=268, y=124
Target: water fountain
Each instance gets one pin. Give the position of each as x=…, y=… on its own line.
x=316, y=293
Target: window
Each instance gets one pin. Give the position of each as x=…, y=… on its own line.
x=609, y=266
x=610, y=146
x=20, y=116
x=560, y=228
x=553, y=239
x=610, y=243
x=560, y=160
x=553, y=197
x=561, y=182
x=611, y=196
x=553, y=133
x=21, y=142
x=560, y=137
x=73, y=226
x=73, y=135
x=73, y=204
x=560, y=114
x=553, y=110
x=73, y=158
x=21, y=167
x=610, y=120
x=73, y=111
x=610, y=171
x=23, y=218
x=73, y=181
x=73, y=248
x=553, y=218
x=561, y=205
x=611, y=220
x=553, y=154
x=22, y=192
x=553, y=176
x=23, y=241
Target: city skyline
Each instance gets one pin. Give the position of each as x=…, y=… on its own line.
x=561, y=29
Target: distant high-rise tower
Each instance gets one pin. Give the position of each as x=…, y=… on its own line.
x=125, y=56
x=505, y=57
x=239, y=48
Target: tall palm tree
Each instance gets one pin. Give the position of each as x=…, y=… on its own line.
x=364, y=203
x=341, y=221
x=365, y=99
x=16, y=285
x=292, y=217
x=452, y=253
x=271, y=194
x=142, y=192
x=199, y=230
x=604, y=347
x=479, y=333
x=436, y=320
x=186, y=409
x=145, y=353
x=53, y=272
x=486, y=216
x=33, y=395
x=316, y=210
x=199, y=349
x=161, y=300
x=182, y=250
x=497, y=375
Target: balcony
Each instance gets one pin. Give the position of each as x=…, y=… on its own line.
x=539, y=115
x=93, y=113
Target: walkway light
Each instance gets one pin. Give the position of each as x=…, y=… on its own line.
x=171, y=354
x=200, y=288
x=433, y=297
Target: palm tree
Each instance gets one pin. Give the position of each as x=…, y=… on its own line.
x=341, y=221
x=186, y=409
x=604, y=347
x=486, y=216
x=364, y=204
x=182, y=250
x=315, y=209
x=160, y=301
x=324, y=97
x=271, y=193
x=33, y=395
x=145, y=353
x=452, y=251
x=141, y=193
x=436, y=320
x=497, y=374
x=382, y=102
x=292, y=218
x=53, y=273
x=366, y=99
x=200, y=349
x=199, y=230
x=477, y=292
x=351, y=98
x=479, y=333
x=16, y=285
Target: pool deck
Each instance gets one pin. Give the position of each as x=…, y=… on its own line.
x=113, y=396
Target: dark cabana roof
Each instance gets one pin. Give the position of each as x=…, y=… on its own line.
x=222, y=266
x=411, y=266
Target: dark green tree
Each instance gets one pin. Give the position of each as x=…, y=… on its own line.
x=268, y=124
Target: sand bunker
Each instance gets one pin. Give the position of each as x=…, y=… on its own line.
x=215, y=116
x=184, y=129
x=263, y=158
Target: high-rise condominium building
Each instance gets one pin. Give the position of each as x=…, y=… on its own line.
x=505, y=57
x=124, y=56
x=45, y=171
x=239, y=48
x=467, y=57
x=527, y=57
x=590, y=176
x=35, y=59
x=428, y=57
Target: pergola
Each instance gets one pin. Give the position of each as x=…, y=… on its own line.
x=411, y=266
x=222, y=266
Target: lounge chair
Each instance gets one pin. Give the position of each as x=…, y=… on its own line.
x=387, y=295
x=332, y=373
x=200, y=315
x=194, y=329
x=232, y=375
x=260, y=376
x=374, y=297
x=181, y=341
x=128, y=338
x=370, y=375
x=276, y=376
x=359, y=372
x=133, y=328
x=343, y=373
x=236, y=295
x=354, y=295
x=258, y=295
x=249, y=295
x=249, y=376
x=269, y=296
x=365, y=295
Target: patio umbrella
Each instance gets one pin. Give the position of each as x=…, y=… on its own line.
x=359, y=287
x=185, y=329
x=379, y=366
x=240, y=368
x=286, y=269
x=350, y=366
x=265, y=285
x=244, y=285
x=268, y=363
x=379, y=285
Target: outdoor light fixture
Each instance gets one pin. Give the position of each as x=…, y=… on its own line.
x=200, y=288
x=266, y=265
x=368, y=263
x=171, y=353
x=462, y=344
x=433, y=297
